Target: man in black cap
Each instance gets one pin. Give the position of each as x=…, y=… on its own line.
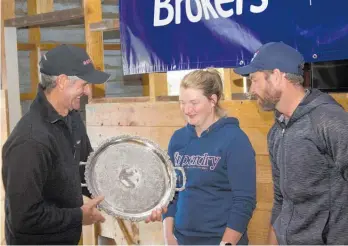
x=308, y=148
x=43, y=195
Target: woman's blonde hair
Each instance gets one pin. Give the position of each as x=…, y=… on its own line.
x=210, y=82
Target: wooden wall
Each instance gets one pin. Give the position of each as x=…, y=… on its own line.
x=158, y=121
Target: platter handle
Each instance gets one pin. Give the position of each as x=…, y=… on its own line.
x=181, y=169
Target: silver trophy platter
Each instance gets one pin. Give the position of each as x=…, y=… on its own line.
x=133, y=174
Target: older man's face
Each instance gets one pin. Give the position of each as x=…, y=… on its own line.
x=264, y=89
x=73, y=93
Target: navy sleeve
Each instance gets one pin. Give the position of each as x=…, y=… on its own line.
x=172, y=205
x=241, y=167
x=27, y=168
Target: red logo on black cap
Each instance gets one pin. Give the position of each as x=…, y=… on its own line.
x=86, y=62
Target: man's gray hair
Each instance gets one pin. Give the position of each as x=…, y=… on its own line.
x=48, y=82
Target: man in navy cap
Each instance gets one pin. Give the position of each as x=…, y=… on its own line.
x=43, y=195
x=308, y=148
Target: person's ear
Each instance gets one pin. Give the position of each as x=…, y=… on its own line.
x=62, y=81
x=213, y=100
x=278, y=76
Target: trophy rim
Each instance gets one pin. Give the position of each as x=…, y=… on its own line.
x=150, y=145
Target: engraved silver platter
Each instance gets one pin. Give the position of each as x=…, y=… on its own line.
x=133, y=174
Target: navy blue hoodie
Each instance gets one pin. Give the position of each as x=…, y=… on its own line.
x=221, y=180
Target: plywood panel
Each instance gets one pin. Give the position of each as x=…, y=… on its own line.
x=264, y=195
x=258, y=227
x=263, y=169
x=161, y=135
x=258, y=139
x=151, y=234
x=136, y=114
x=343, y=101
x=168, y=114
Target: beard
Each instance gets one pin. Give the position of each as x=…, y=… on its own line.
x=270, y=99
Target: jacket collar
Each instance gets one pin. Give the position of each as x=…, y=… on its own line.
x=44, y=107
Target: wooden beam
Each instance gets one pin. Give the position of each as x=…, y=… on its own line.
x=125, y=232
x=94, y=41
x=48, y=46
x=27, y=96
x=110, y=2
x=119, y=100
x=2, y=44
x=6, y=11
x=237, y=86
x=14, y=106
x=36, y=8
x=155, y=85
x=227, y=84
x=112, y=46
x=45, y=18
x=26, y=46
x=105, y=25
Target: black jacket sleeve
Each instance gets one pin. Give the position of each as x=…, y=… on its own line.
x=27, y=167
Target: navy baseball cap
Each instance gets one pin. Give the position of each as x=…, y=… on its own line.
x=274, y=55
x=71, y=61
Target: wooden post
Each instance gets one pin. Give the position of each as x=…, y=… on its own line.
x=94, y=41
x=6, y=11
x=36, y=7
x=155, y=84
x=227, y=84
x=233, y=83
x=13, y=97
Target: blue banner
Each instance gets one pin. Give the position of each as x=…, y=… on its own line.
x=168, y=35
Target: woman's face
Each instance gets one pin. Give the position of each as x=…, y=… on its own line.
x=196, y=107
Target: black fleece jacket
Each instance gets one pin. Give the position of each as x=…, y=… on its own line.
x=41, y=176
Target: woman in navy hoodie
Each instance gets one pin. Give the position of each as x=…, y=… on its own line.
x=219, y=162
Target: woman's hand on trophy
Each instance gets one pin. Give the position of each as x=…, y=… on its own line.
x=156, y=215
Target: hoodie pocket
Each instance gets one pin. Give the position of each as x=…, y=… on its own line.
x=308, y=226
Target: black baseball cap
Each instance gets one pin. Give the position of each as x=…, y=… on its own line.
x=71, y=61
x=274, y=55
